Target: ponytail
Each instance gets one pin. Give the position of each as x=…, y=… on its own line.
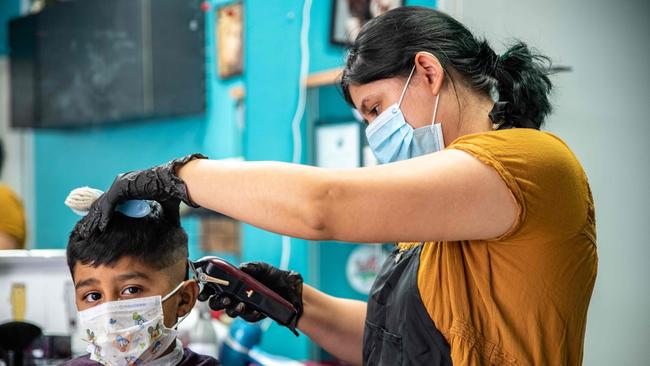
x=386, y=46
x=522, y=83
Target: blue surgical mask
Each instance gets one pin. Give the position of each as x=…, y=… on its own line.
x=392, y=139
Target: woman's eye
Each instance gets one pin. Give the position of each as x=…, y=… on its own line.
x=92, y=297
x=375, y=110
x=131, y=291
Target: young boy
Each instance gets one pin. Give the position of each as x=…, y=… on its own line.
x=142, y=262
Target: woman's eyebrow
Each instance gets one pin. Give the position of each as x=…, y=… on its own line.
x=364, y=104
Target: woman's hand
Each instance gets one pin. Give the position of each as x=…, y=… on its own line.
x=287, y=284
x=159, y=183
x=333, y=323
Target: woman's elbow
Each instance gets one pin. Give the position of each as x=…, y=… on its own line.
x=319, y=218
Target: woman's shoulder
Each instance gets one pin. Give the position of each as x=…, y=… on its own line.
x=525, y=147
x=541, y=171
x=9, y=199
x=514, y=137
x=7, y=193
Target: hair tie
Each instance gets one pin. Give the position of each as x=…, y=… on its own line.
x=499, y=112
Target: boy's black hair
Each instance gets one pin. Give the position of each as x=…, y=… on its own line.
x=153, y=240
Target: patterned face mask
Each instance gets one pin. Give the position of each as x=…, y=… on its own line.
x=128, y=332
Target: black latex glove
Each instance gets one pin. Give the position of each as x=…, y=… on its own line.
x=287, y=284
x=159, y=184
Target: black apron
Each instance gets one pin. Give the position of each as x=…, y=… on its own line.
x=398, y=328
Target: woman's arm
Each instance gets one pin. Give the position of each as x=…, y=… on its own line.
x=334, y=324
x=448, y=195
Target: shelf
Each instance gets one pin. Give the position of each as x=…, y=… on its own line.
x=321, y=78
x=327, y=77
x=16, y=257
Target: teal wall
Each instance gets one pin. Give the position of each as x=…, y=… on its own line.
x=65, y=159
x=8, y=10
x=271, y=96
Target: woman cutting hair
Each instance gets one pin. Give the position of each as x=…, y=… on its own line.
x=494, y=220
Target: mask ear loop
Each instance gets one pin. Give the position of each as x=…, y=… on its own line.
x=172, y=294
x=175, y=326
x=435, y=110
x=401, y=97
x=437, y=126
x=194, y=278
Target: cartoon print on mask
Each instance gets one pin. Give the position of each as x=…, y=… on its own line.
x=91, y=336
x=122, y=343
x=156, y=347
x=112, y=321
x=133, y=361
x=139, y=320
x=154, y=333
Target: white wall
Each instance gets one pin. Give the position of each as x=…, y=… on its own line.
x=602, y=110
x=49, y=292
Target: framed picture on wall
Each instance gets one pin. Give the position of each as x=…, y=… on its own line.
x=348, y=16
x=230, y=40
x=338, y=145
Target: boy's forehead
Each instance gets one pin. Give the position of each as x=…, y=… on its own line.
x=126, y=266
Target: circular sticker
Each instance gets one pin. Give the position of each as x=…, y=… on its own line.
x=363, y=265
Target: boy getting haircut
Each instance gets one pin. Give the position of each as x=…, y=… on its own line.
x=142, y=262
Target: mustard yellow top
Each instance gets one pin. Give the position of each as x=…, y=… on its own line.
x=520, y=299
x=12, y=216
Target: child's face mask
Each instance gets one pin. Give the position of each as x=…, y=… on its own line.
x=128, y=332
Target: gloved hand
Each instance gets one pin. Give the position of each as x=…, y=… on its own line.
x=159, y=183
x=287, y=284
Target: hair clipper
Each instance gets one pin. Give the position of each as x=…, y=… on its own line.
x=232, y=281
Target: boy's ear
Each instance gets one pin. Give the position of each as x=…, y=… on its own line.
x=188, y=295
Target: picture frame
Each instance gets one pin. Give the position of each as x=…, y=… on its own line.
x=229, y=35
x=338, y=145
x=348, y=16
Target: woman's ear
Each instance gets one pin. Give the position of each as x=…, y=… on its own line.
x=188, y=295
x=429, y=66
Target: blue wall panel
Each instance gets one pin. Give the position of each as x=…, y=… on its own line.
x=8, y=9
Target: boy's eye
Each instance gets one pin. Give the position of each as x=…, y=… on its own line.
x=92, y=297
x=131, y=291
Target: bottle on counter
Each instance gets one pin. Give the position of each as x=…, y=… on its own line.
x=203, y=338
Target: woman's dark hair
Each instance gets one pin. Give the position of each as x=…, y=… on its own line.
x=386, y=47
x=153, y=240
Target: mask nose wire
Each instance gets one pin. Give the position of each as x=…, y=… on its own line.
x=405, y=87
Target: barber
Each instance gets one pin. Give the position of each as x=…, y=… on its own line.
x=496, y=258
